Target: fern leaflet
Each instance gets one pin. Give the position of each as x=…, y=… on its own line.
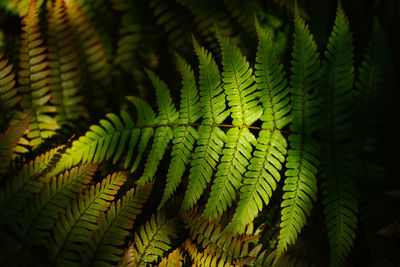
x=42, y=213
x=9, y=140
x=8, y=92
x=340, y=204
x=114, y=227
x=65, y=77
x=240, y=89
x=302, y=162
x=185, y=135
x=211, y=138
x=33, y=78
x=174, y=258
x=153, y=238
x=18, y=190
x=80, y=219
x=222, y=245
x=163, y=134
x=93, y=61
x=263, y=172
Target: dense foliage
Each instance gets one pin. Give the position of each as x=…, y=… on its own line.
x=278, y=153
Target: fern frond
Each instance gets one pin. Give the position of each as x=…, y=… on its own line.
x=19, y=189
x=130, y=34
x=185, y=135
x=128, y=259
x=203, y=258
x=80, y=219
x=132, y=52
x=207, y=257
x=338, y=79
x=211, y=138
x=22, y=6
x=98, y=11
x=210, y=236
x=65, y=76
x=391, y=230
x=261, y=178
x=374, y=90
x=174, y=259
x=8, y=92
x=272, y=83
x=263, y=173
x=104, y=244
x=175, y=21
x=96, y=78
x=146, y=117
x=153, y=239
x=340, y=203
x=110, y=138
x=243, y=13
x=292, y=6
x=239, y=86
x=207, y=14
x=8, y=141
x=42, y=213
x=302, y=162
x=33, y=78
x=212, y=97
x=163, y=134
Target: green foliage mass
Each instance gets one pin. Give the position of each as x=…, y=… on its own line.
x=196, y=133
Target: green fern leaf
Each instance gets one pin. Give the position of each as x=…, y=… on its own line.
x=146, y=117
x=235, y=158
x=271, y=82
x=185, y=135
x=374, y=91
x=260, y=179
x=110, y=138
x=104, y=244
x=132, y=52
x=243, y=13
x=130, y=35
x=211, y=138
x=206, y=14
x=302, y=162
x=175, y=21
x=153, y=239
x=97, y=143
x=240, y=89
x=18, y=190
x=65, y=77
x=239, y=84
x=9, y=140
x=95, y=71
x=41, y=213
x=8, y=92
x=263, y=172
x=33, y=78
x=80, y=219
x=340, y=203
x=163, y=134
x=98, y=11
